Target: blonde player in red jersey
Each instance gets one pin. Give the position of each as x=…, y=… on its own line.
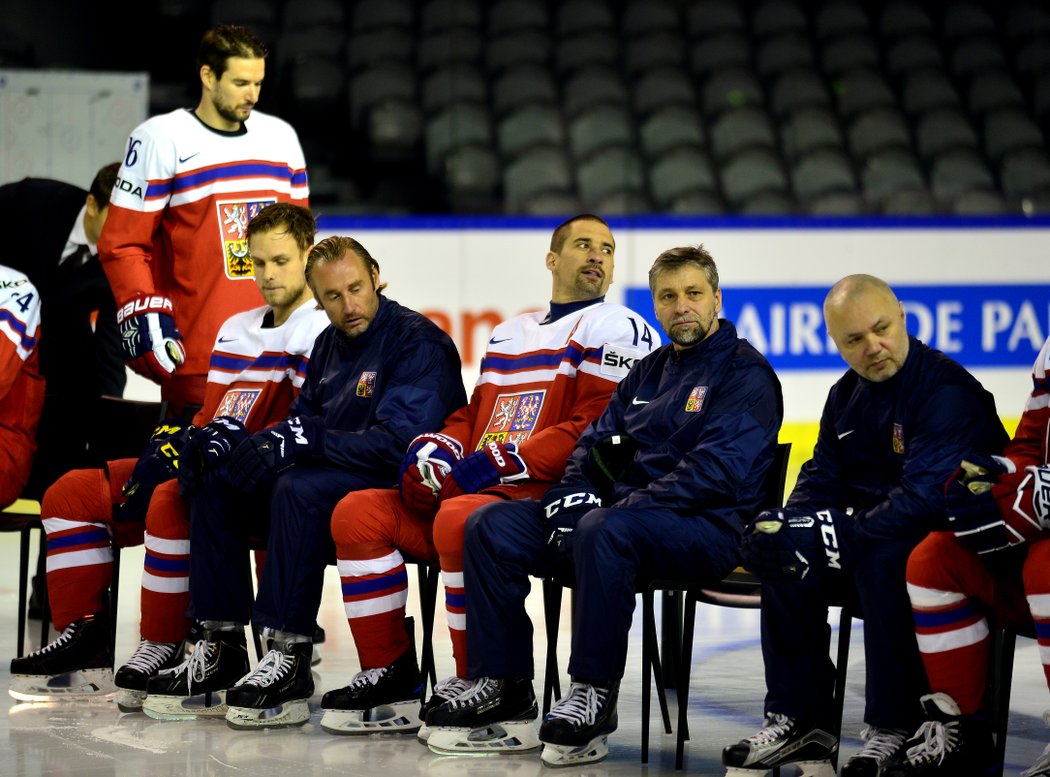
x=175, y=246
x=257, y=366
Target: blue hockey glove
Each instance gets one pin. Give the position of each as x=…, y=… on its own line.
x=563, y=506
x=427, y=462
x=151, y=342
x=495, y=463
x=789, y=544
x=263, y=455
x=1012, y=510
x=206, y=450
x=158, y=463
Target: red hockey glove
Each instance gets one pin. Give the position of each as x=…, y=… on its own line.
x=151, y=342
x=429, y=459
x=495, y=463
x=1015, y=509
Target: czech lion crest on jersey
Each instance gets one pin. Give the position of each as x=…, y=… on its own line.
x=366, y=384
x=238, y=403
x=514, y=417
x=234, y=216
x=695, y=403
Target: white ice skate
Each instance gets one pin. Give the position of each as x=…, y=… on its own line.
x=495, y=739
x=806, y=769
x=78, y=684
x=558, y=756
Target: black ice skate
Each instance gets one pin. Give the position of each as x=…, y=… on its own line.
x=576, y=730
x=276, y=693
x=147, y=661
x=881, y=746
x=782, y=740
x=79, y=663
x=444, y=691
x=492, y=716
x=947, y=743
x=384, y=700
x=197, y=687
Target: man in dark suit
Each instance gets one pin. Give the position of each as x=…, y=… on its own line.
x=52, y=230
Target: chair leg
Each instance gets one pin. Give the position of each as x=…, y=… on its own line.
x=552, y=594
x=114, y=596
x=841, y=662
x=24, y=575
x=1003, y=644
x=428, y=577
x=684, y=671
x=648, y=626
x=661, y=680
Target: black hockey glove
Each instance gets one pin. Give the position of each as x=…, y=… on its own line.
x=563, y=506
x=263, y=455
x=206, y=450
x=609, y=460
x=790, y=544
x=158, y=463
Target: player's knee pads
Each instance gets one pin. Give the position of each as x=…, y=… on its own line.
x=79, y=495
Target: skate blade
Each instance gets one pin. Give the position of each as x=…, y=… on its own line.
x=292, y=713
x=423, y=735
x=69, y=685
x=510, y=737
x=200, y=706
x=315, y=655
x=399, y=718
x=806, y=769
x=130, y=701
x=559, y=756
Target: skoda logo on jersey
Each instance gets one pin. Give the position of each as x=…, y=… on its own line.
x=233, y=217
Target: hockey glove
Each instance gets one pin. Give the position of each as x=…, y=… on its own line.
x=978, y=473
x=1013, y=510
x=206, y=450
x=495, y=463
x=263, y=455
x=789, y=544
x=427, y=463
x=151, y=342
x=609, y=460
x=158, y=463
x=563, y=506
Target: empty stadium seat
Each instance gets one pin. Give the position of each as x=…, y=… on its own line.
x=730, y=88
x=593, y=86
x=661, y=49
x=539, y=170
x=904, y=18
x=797, y=89
x=512, y=16
x=911, y=53
x=750, y=173
x=660, y=88
x=840, y=18
x=956, y=172
x=456, y=83
x=944, y=130
x=773, y=17
x=741, y=128
x=821, y=173
x=671, y=127
x=598, y=127
x=370, y=14
x=878, y=130
x=1010, y=130
x=807, y=130
x=528, y=126
x=459, y=124
x=525, y=47
x=576, y=16
x=890, y=171
x=586, y=49
x=372, y=48
x=679, y=172
x=709, y=17
x=850, y=52
x=927, y=90
x=442, y=14
x=716, y=52
x=862, y=90
x=640, y=17
x=523, y=85
x=783, y=52
x=448, y=48
x=387, y=81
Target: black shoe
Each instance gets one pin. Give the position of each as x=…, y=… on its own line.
x=782, y=740
x=149, y=659
x=947, y=743
x=444, y=691
x=385, y=699
x=215, y=665
x=881, y=747
x=576, y=729
x=276, y=692
x=493, y=715
x=79, y=662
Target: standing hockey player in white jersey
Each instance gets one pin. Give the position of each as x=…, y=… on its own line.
x=174, y=246
x=21, y=387
x=544, y=378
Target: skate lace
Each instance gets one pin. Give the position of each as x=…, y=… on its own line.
x=938, y=739
x=451, y=687
x=580, y=706
x=196, y=666
x=272, y=668
x=777, y=726
x=880, y=744
x=151, y=656
x=367, y=677
x=59, y=641
x=482, y=689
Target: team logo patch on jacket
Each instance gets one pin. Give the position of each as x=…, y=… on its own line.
x=238, y=403
x=233, y=226
x=366, y=384
x=514, y=417
x=898, y=438
x=695, y=403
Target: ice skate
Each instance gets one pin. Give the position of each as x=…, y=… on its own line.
x=197, y=687
x=881, y=746
x=492, y=716
x=77, y=664
x=384, y=700
x=947, y=743
x=782, y=741
x=147, y=661
x=444, y=691
x=1041, y=768
x=576, y=730
x=277, y=693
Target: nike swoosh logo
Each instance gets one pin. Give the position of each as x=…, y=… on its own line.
x=846, y=434
x=494, y=341
x=637, y=401
x=187, y=158
x=227, y=339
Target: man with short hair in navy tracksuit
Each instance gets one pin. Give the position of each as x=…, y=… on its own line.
x=378, y=377
x=660, y=485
